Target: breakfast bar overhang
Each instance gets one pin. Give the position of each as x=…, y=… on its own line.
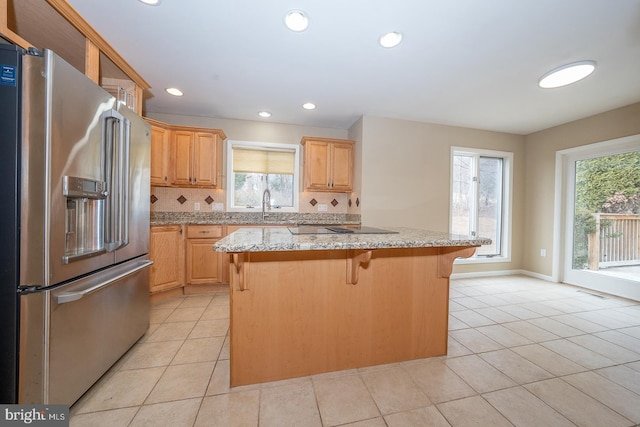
x=309, y=304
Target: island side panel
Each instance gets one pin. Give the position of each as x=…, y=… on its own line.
x=300, y=316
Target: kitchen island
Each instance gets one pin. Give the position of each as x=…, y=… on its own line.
x=308, y=304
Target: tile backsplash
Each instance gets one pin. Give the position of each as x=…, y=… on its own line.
x=169, y=199
x=166, y=199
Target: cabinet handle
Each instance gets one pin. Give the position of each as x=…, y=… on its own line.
x=165, y=178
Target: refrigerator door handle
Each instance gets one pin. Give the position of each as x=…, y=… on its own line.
x=115, y=163
x=124, y=174
x=75, y=295
x=107, y=173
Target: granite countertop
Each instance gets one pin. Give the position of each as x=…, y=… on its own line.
x=242, y=218
x=267, y=239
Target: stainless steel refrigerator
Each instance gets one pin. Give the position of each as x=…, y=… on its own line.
x=74, y=187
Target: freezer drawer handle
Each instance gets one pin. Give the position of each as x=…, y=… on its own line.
x=69, y=258
x=76, y=295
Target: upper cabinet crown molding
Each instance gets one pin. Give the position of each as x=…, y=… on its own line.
x=56, y=25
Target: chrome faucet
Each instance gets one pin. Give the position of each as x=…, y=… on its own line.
x=266, y=202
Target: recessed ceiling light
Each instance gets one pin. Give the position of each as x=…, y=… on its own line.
x=391, y=39
x=264, y=114
x=174, y=91
x=309, y=106
x=567, y=74
x=296, y=20
x=151, y=2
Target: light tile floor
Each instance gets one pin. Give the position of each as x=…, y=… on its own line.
x=522, y=352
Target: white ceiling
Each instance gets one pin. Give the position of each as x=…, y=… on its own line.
x=468, y=63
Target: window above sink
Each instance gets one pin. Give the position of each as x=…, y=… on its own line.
x=253, y=167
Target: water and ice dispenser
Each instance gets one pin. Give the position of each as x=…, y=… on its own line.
x=84, y=220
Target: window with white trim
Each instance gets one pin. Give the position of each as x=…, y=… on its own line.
x=480, y=205
x=254, y=167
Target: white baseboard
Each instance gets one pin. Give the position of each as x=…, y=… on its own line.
x=486, y=274
x=501, y=273
x=539, y=276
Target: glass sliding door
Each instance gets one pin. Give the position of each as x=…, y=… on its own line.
x=602, y=218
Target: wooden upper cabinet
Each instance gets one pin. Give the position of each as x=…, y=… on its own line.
x=316, y=165
x=56, y=25
x=205, y=159
x=185, y=156
x=160, y=153
x=181, y=157
x=328, y=164
x=342, y=167
x=196, y=157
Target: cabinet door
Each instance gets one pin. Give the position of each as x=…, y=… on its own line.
x=166, y=250
x=181, y=154
x=203, y=264
x=205, y=159
x=316, y=167
x=160, y=153
x=342, y=167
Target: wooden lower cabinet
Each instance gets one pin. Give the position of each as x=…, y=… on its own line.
x=166, y=250
x=183, y=257
x=204, y=266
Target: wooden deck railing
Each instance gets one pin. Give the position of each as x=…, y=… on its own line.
x=615, y=242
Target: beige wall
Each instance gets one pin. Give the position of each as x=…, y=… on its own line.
x=355, y=133
x=405, y=176
x=540, y=156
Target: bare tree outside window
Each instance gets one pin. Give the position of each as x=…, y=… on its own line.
x=250, y=186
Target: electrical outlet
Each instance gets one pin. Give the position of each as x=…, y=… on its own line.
x=196, y=206
x=217, y=207
x=543, y=252
x=322, y=207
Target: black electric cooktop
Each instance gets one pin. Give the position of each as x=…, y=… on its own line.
x=334, y=229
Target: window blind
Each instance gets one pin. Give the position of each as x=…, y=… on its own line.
x=247, y=160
